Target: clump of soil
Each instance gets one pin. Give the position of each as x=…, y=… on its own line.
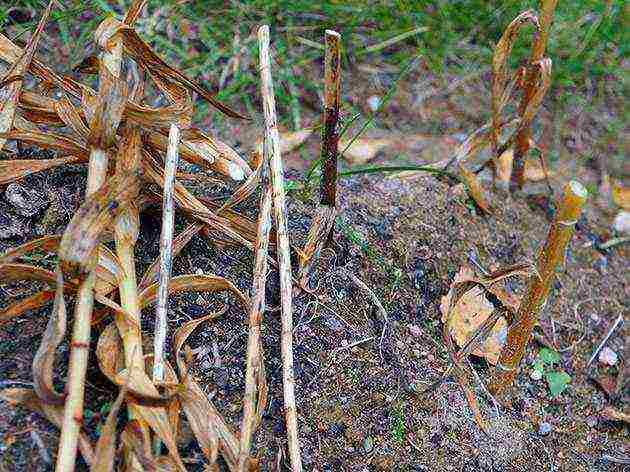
x=360, y=375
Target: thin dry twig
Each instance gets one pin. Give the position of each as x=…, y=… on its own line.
x=257, y=306
x=283, y=249
x=166, y=252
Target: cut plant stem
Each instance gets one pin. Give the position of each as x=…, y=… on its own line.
x=256, y=309
x=552, y=255
x=523, y=137
x=73, y=409
x=324, y=220
x=166, y=252
x=330, y=133
x=272, y=137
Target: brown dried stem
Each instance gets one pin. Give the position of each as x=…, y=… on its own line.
x=73, y=410
x=324, y=220
x=166, y=252
x=284, y=258
x=256, y=310
x=552, y=255
x=330, y=133
x=538, y=50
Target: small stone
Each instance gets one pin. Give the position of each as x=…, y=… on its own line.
x=374, y=102
x=621, y=224
x=11, y=226
x=333, y=323
x=535, y=374
x=544, y=428
x=415, y=330
x=368, y=444
x=608, y=357
x=25, y=202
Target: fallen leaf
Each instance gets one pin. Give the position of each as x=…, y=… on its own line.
x=363, y=150
x=621, y=195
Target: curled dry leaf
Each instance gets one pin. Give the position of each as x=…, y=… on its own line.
x=10, y=92
x=108, y=110
x=32, y=302
x=193, y=283
x=27, y=398
x=141, y=52
x=44, y=359
x=82, y=234
x=207, y=424
x=136, y=443
x=500, y=58
x=467, y=306
x=48, y=140
x=111, y=360
x=363, y=150
x=181, y=240
x=475, y=190
x=48, y=243
x=106, y=444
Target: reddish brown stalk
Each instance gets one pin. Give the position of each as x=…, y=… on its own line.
x=538, y=50
x=324, y=220
x=284, y=257
x=330, y=133
x=552, y=255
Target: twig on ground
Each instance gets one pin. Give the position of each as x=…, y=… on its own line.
x=166, y=252
x=613, y=326
x=283, y=249
x=381, y=311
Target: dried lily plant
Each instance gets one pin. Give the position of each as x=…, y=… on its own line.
x=533, y=80
x=131, y=149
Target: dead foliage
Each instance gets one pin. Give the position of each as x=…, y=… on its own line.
x=124, y=141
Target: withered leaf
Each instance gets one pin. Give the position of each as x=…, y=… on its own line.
x=180, y=241
x=10, y=92
x=499, y=66
x=106, y=444
x=49, y=141
x=98, y=211
x=144, y=55
x=44, y=359
x=193, y=283
x=475, y=190
x=32, y=302
x=17, y=169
